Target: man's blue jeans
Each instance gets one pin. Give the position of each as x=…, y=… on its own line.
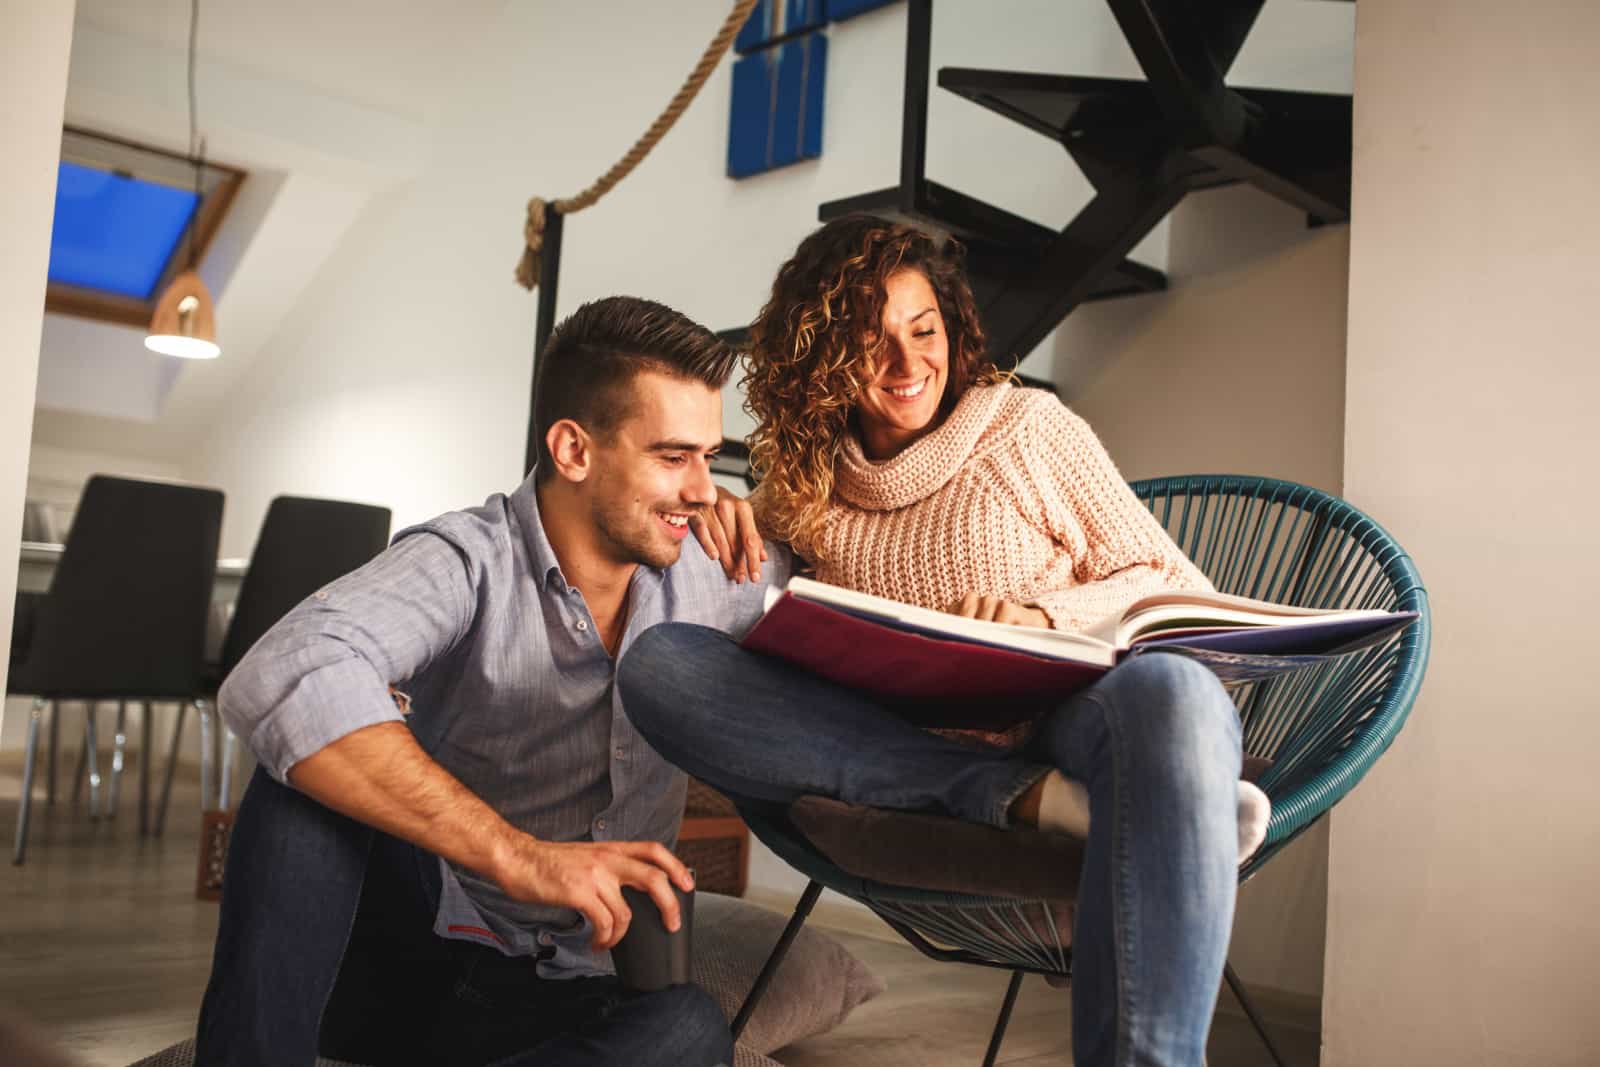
x=326, y=943
x=1156, y=741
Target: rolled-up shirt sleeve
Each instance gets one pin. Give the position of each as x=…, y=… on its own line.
x=325, y=669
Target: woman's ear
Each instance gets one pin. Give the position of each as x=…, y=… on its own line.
x=571, y=448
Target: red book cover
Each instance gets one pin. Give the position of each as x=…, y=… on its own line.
x=932, y=682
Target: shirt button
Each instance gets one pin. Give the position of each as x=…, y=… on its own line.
x=583, y=626
x=599, y=824
x=621, y=754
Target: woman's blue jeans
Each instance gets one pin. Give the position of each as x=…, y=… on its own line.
x=1156, y=741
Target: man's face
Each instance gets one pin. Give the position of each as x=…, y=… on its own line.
x=654, y=470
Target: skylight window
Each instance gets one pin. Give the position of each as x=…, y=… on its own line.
x=122, y=215
x=113, y=232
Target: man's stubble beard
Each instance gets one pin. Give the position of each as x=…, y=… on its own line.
x=623, y=535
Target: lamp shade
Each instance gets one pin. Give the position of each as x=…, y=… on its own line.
x=185, y=323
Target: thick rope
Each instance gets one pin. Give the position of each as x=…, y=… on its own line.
x=533, y=230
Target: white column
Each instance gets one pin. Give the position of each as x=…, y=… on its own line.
x=34, y=46
x=1463, y=874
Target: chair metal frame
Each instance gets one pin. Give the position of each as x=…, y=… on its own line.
x=1322, y=727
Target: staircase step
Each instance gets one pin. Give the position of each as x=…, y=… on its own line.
x=1059, y=106
x=963, y=217
x=1294, y=145
x=1064, y=107
x=999, y=243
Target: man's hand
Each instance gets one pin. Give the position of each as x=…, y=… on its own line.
x=727, y=531
x=381, y=776
x=589, y=878
x=995, y=609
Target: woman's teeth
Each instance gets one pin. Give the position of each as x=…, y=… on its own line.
x=907, y=392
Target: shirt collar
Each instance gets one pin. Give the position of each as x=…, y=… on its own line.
x=546, y=568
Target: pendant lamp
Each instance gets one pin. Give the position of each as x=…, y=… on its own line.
x=185, y=322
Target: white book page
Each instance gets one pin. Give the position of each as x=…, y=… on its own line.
x=1215, y=610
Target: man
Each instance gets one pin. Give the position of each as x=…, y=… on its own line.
x=439, y=879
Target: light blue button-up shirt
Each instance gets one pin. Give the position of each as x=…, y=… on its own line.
x=510, y=691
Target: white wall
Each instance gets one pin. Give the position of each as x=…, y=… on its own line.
x=1463, y=873
x=33, y=88
x=402, y=375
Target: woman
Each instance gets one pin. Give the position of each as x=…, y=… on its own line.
x=896, y=460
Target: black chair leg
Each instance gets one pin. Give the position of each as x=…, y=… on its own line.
x=172, y=767
x=801, y=910
x=25, y=802
x=1004, y=1020
x=79, y=772
x=147, y=756
x=1254, y=1016
x=50, y=765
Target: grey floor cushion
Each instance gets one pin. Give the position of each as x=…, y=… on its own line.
x=817, y=987
x=819, y=984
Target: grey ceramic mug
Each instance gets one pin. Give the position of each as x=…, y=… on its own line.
x=649, y=957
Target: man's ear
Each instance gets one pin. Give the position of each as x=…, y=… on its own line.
x=572, y=449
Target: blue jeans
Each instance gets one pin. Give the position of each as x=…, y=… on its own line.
x=326, y=945
x=1155, y=741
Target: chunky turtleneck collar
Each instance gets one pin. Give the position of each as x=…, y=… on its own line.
x=924, y=466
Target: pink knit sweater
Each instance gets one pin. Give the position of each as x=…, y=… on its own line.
x=1013, y=496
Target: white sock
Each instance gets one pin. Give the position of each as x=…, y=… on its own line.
x=1064, y=806
x=1064, y=809
x=1254, y=811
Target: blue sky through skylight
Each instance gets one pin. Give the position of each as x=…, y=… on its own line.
x=115, y=234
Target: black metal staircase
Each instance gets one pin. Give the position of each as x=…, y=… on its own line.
x=1143, y=145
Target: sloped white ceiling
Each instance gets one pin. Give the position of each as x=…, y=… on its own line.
x=327, y=107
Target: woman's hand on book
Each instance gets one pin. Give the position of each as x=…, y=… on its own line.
x=998, y=609
x=727, y=531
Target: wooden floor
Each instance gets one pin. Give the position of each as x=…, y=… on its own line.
x=103, y=946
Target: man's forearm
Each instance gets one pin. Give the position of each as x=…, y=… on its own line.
x=379, y=775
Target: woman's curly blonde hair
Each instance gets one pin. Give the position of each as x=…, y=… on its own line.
x=814, y=349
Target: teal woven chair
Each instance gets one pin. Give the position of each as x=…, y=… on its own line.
x=1316, y=732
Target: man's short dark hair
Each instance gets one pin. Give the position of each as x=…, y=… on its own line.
x=587, y=368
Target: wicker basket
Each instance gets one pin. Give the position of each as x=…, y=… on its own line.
x=714, y=841
x=215, y=828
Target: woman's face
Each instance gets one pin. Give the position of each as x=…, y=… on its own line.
x=902, y=401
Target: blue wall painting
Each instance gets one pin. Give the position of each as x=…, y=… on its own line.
x=777, y=106
x=776, y=115
x=839, y=10
x=773, y=20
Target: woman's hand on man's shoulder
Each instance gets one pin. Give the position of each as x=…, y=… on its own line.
x=727, y=531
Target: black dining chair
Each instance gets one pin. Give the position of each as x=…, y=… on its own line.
x=125, y=617
x=303, y=545
x=23, y=619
